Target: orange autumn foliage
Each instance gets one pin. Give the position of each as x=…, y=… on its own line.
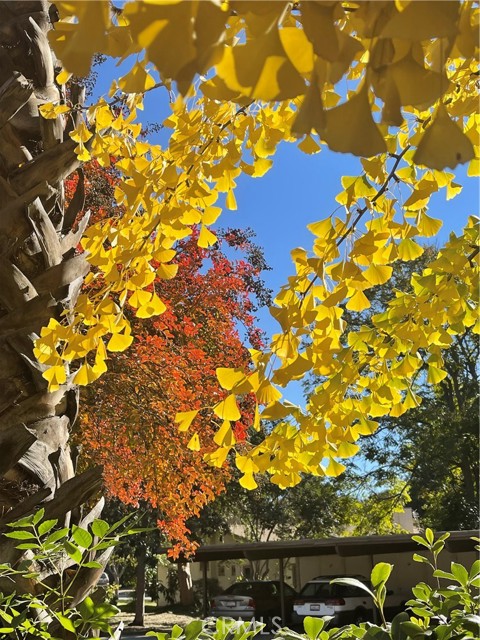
x=127, y=422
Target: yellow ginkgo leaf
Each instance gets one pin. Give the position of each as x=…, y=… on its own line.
x=350, y=127
x=230, y=378
x=119, y=342
x=319, y=25
x=167, y=271
x=217, y=458
x=260, y=167
x=267, y=393
x=411, y=400
x=443, y=144
x=347, y=449
x=311, y=114
x=50, y=111
x=211, y=214
x=261, y=69
x=408, y=249
x=224, y=436
x=474, y=168
x=56, y=376
x=428, y=226
x=334, y=468
x=63, y=77
x=247, y=481
x=358, y=302
x=165, y=31
x=298, y=49
x=423, y=20
x=309, y=146
x=206, y=238
x=435, y=374
x=194, y=443
x=227, y=409
x=184, y=419
x=154, y=307
x=378, y=274
x=88, y=374
x=256, y=419
x=136, y=80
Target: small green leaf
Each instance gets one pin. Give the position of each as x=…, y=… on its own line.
x=460, y=573
x=105, y=611
x=86, y=608
x=20, y=535
x=438, y=573
x=28, y=545
x=419, y=558
x=23, y=522
x=82, y=537
x=100, y=528
x=313, y=627
x=429, y=536
x=474, y=570
x=353, y=582
x=193, y=629
x=421, y=541
x=56, y=536
x=65, y=622
x=93, y=564
x=412, y=630
x=176, y=631
x=38, y=516
x=118, y=524
x=73, y=551
x=380, y=573
x=45, y=526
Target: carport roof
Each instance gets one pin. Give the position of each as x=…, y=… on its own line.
x=345, y=546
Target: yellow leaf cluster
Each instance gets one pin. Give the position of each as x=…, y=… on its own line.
x=277, y=52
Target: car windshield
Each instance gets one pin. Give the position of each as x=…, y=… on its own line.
x=326, y=590
x=240, y=589
x=317, y=590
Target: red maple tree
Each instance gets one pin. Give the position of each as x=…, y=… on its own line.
x=127, y=423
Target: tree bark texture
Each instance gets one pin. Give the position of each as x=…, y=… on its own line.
x=40, y=275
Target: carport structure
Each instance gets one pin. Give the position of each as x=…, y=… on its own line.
x=459, y=541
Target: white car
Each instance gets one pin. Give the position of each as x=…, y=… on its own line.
x=346, y=604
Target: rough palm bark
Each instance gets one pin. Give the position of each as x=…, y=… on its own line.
x=40, y=277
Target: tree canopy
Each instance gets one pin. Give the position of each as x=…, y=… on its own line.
x=241, y=77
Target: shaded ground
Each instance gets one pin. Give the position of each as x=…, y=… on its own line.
x=155, y=621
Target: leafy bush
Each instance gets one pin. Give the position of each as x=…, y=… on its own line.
x=448, y=611
x=39, y=593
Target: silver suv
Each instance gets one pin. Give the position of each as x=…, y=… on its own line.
x=345, y=603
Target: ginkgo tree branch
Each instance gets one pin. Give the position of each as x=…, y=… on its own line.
x=361, y=212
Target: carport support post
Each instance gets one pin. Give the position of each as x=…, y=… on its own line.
x=282, y=591
x=205, y=588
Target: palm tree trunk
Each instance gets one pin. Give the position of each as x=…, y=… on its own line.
x=39, y=274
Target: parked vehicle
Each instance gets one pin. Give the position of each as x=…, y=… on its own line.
x=255, y=599
x=345, y=603
x=104, y=580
